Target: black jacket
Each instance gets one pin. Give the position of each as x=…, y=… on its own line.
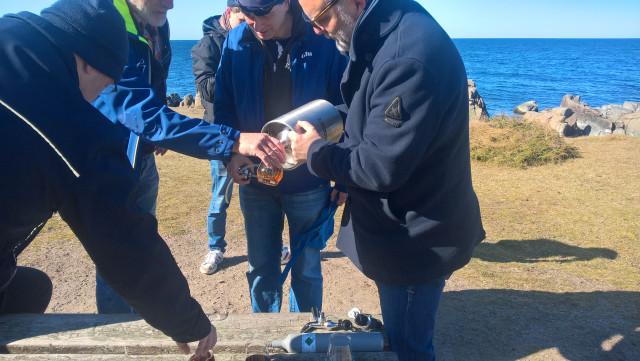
x=206, y=56
x=60, y=154
x=412, y=215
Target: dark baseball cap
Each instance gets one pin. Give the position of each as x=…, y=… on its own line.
x=257, y=7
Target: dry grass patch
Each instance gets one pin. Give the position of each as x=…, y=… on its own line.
x=517, y=143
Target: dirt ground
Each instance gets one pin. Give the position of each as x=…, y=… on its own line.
x=476, y=321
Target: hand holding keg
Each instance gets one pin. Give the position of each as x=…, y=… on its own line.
x=315, y=120
x=301, y=141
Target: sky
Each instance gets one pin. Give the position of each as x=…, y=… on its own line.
x=460, y=18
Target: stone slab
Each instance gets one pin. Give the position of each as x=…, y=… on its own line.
x=128, y=337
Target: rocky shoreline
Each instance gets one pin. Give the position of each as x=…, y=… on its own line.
x=572, y=118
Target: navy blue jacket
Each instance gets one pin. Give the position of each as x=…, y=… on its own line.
x=412, y=215
x=316, y=69
x=59, y=154
x=206, y=56
x=139, y=107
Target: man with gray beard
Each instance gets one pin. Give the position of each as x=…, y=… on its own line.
x=412, y=217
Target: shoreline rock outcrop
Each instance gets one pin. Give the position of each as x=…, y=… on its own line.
x=574, y=118
x=477, y=107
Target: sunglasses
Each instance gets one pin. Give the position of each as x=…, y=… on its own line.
x=312, y=21
x=258, y=10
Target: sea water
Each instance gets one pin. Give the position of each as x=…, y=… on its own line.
x=509, y=72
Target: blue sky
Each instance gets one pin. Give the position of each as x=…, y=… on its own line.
x=460, y=18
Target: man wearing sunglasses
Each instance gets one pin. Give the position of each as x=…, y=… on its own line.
x=412, y=217
x=271, y=64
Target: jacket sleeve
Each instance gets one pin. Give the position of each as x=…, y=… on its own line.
x=123, y=242
x=206, y=58
x=386, y=155
x=136, y=106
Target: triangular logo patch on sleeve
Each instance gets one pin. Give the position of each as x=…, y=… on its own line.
x=393, y=113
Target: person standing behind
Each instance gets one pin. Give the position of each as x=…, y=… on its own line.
x=412, y=217
x=206, y=57
x=59, y=154
x=270, y=65
x=137, y=105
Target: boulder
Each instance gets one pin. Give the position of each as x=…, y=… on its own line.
x=554, y=119
x=173, y=100
x=631, y=124
x=633, y=106
x=477, y=107
x=589, y=120
x=199, y=100
x=614, y=111
x=530, y=106
x=188, y=101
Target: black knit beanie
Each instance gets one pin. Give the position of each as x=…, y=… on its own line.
x=96, y=33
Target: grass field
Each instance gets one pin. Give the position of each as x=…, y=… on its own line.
x=558, y=277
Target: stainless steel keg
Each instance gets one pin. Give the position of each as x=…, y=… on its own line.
x=320, y=113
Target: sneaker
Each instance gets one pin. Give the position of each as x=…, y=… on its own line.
x=211, y=262
x=286, y=255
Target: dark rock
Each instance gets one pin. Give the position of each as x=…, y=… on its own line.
x=173, y=100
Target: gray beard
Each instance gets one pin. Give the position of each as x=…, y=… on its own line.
x=345, y=30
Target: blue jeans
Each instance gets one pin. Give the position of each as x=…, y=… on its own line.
x=264, y=222
x=217, y=218
x=107, y=300
x=409, y=315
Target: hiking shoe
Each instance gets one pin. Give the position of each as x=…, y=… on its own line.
x=211, y=262
x=286, y=255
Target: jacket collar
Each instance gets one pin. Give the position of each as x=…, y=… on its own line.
x=379, y=18
x=212, y=26
x=123, y=8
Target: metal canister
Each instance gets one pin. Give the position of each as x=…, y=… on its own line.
x=324, y=117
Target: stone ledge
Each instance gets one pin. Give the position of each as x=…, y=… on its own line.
x=357, y=356
x=128, y=337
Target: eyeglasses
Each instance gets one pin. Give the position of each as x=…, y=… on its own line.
x=259, y=10
x=313, y=20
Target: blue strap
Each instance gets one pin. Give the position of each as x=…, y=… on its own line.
x=309, y=234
